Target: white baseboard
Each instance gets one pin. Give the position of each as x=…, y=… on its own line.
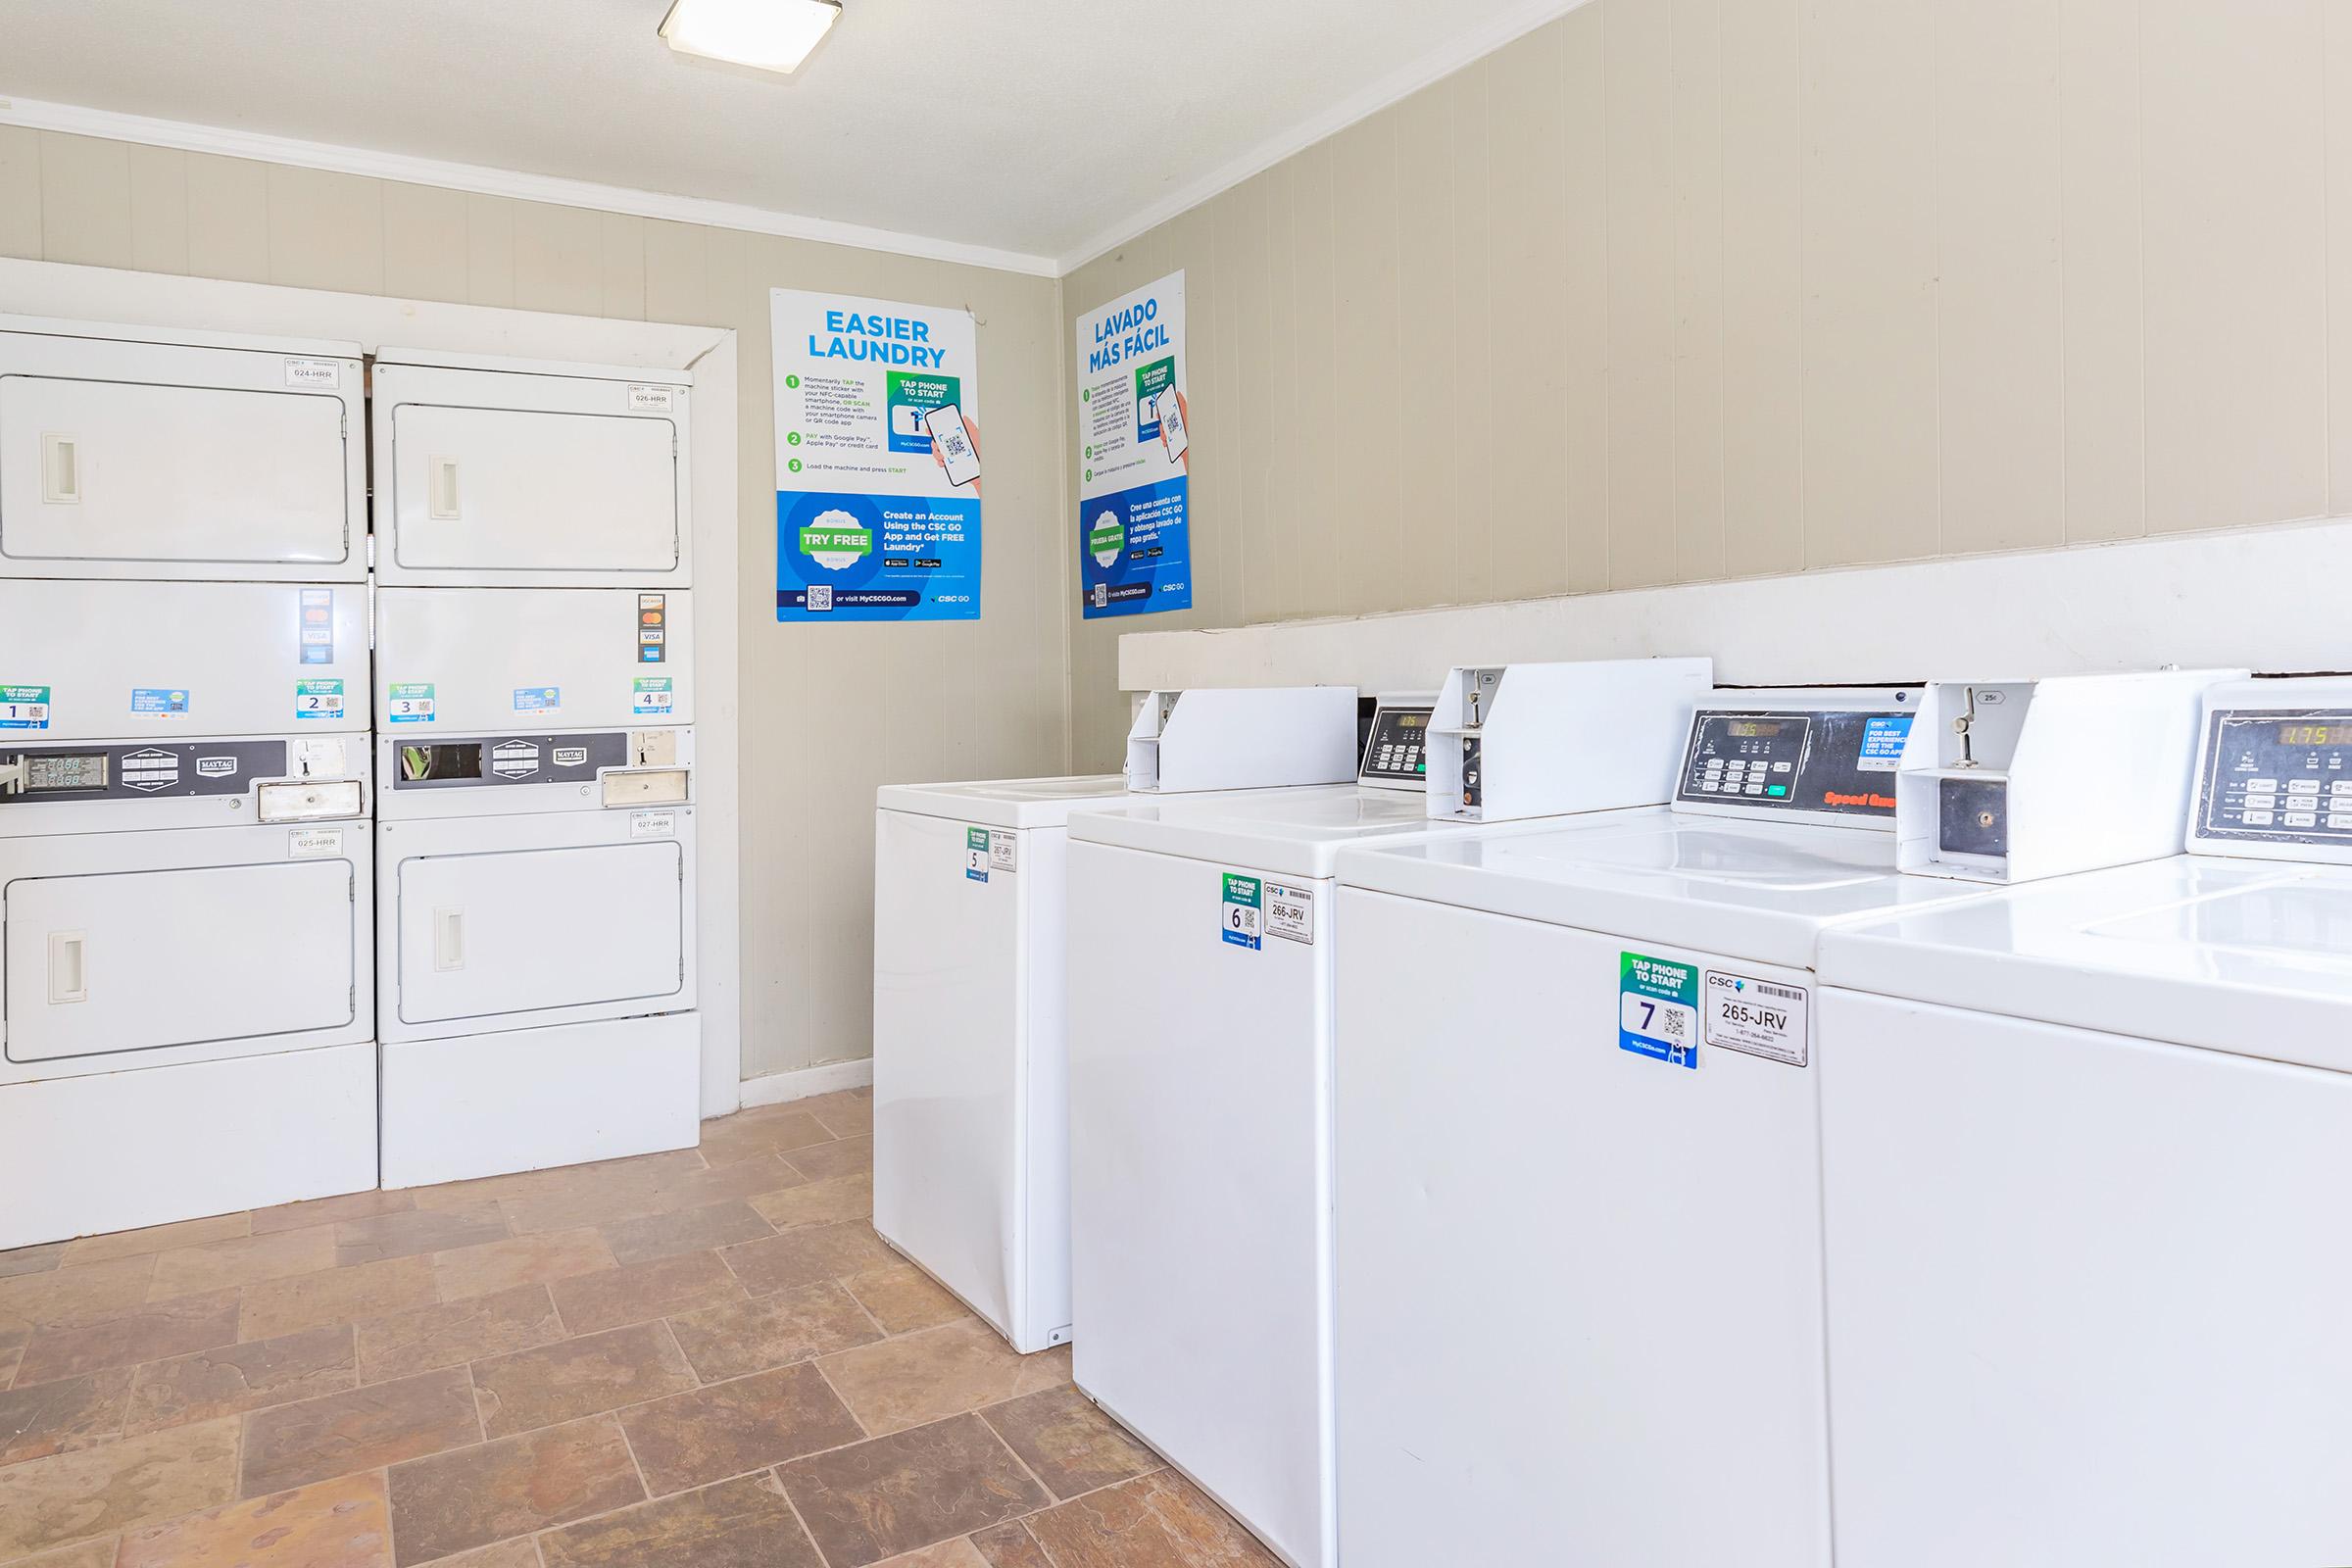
x=808, y=1081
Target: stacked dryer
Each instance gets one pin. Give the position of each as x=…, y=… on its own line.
x=185, y=1025
x=535, y=677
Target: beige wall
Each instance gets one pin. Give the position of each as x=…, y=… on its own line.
x=829, y=712
x=1672, y=290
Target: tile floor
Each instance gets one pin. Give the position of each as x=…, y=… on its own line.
x=702, y=1358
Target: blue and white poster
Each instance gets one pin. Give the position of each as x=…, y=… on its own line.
x=1135, y=547
x=877, y=460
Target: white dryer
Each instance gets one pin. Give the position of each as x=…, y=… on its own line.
x=535, y=869
x=1203, y=942
x=2084, y=1156
x=971, y=1108
x=185, y=1025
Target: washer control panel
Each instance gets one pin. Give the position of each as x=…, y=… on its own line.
x=2278, y=775
x=1397, y=753
x=135, y=770
x=1840, y=760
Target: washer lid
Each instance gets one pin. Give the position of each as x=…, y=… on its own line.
x=1761, y=891
x=2246, y=957
x=1290, y=832
x=1005, y=802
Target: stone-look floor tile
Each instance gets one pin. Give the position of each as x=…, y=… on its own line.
x=694, y=1230
x=335, y=1295
x=127, y=1336
x=639, y=1194
x=45, y=1418
x=62, y=1295
x=519, y=1260
x=738, y=1338
x=364, y=1429
x=8, y=1358
x=819, y=1202
x=903, y=1299
x=32, y=1259
x=157, y=1239
x=920, y=1377
x=1010, y=1545
x=575, y=1378
x=740, y=1138
x=957, y=1553
x=910, y=1489
x=805, y=1257
x=426, y=1339
x=1066, y=1443
x=328, y=1210
x=691, y=1440
x=614, y=1298
x=563, y=1179
x=845, y=1115
x=744, y=1523
x=1156, y=1521
x=518, y=1553
x=99, y=1553
x=406, y=1233
x=116, y=1485
x=344, y=1522
x=453, y=1502
x=192, y=1270
x=850, y=1156
x=236, y=1378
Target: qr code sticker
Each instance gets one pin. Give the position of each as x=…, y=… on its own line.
x=819, y=600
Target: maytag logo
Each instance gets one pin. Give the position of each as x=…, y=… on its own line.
x=217, y=767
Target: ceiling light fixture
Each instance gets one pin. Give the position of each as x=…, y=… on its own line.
x=763, y=34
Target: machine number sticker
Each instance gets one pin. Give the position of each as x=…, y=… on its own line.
x=975, y=855
x=1003, y=851
x=314, y=843
x=164, y=702
x=318, y=699
x=326, y=374
x=1657, y=1008
x=653, y=824
x=1761, y=1017
x=538, y=698
x=1291, y=914
x=1242, y=919
x=655, y=699
x=652, y=399
x=409, y=703
x=23, y=707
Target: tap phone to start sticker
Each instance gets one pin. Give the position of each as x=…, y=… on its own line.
x=1172, y=425
x=945, y=424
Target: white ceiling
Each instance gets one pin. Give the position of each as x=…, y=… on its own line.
x=1043, y=127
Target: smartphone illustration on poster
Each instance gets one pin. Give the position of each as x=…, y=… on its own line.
x=1171, y=424
x=946, y=426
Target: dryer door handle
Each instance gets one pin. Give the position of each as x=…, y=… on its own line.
x=68, y=968
x=449, y=939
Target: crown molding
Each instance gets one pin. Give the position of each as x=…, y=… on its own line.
x=1440, y=63
x=74, y=119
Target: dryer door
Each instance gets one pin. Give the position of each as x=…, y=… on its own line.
x=118, y=963
x=490, y=934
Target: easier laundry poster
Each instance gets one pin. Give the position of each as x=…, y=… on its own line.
x=1134, y=411
x=877, y=460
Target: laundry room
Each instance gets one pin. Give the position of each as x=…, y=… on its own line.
x=669, y=898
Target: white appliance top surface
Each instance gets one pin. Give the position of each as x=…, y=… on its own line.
x=2248, y=956
x=1006, y=802
x=1291, y=832
x=1763, y=890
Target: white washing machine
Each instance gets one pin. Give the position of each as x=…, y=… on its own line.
x=535, y=869
x=971, y=1108
x=1201, y=964
x=2085, y=1158
x=1578, y=1189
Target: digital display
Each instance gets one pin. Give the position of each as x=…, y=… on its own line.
x=2309, y=734
x=1412, y=721
x=66, y=773
x=1753, y=729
